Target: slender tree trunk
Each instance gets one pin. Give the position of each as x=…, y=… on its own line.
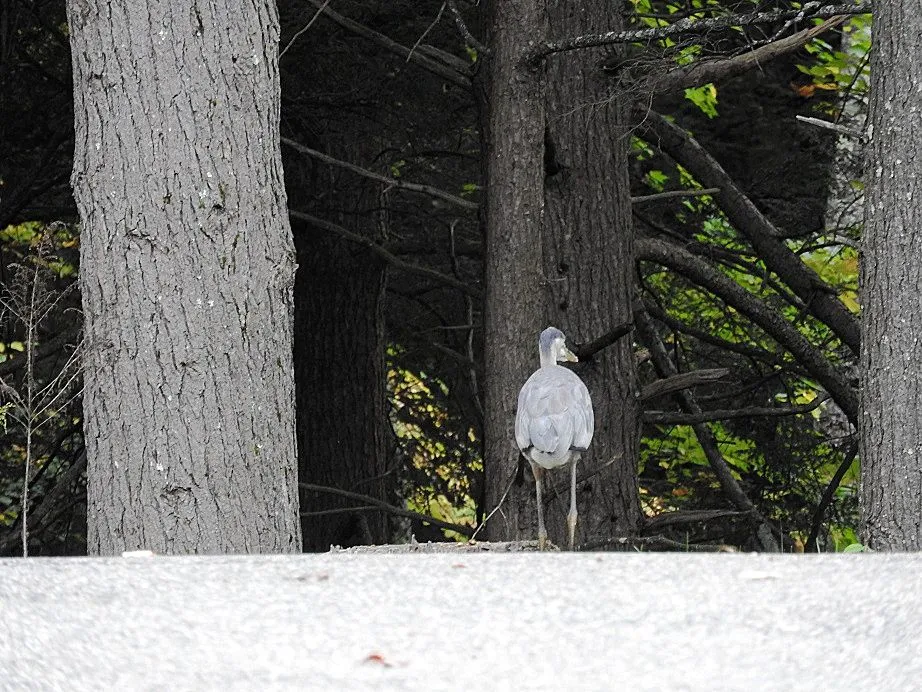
x=514, y=282
x=187, y=267
x=589, y=254
x=891, y=286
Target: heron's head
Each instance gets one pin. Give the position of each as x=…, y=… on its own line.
x=552, y=345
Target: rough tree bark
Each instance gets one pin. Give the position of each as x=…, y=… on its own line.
x=589, y=263
x=891, y=286
x=187, y=267
x=514, y=135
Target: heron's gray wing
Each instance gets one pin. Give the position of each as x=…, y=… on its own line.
x=548, y=415
x=583, y=415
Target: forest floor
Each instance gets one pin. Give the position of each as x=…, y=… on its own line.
x=463, y=621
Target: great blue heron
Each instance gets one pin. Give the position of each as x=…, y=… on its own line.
x=554, y=421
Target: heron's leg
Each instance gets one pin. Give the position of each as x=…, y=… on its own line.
x=571, y=515
x=539, y=479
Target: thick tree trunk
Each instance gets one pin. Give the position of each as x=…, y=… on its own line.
x=187, y=267
x=589, y=255
x=514, y=282
x=339, y=365
x=891, y=286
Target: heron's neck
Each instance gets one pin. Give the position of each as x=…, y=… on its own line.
x=547, y=358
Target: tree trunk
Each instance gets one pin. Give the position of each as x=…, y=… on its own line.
x=514, y=283
x=891, y=286
x=187, y=267
x=339, y=363
x=589, y=261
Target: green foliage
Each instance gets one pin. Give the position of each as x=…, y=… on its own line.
x=705, y=98
x=441, y=451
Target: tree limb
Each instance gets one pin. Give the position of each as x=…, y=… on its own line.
x=384, y=254
x=682, y=517
x=588, y=350
x=678, y=381
x=691, y=26
x=672, y=418
x=701, y=273
x=397, y=511
x=671, y=194
x=820, y=298
x=444, y=68
x=387, y=180
x=828, y=494
x=713, y=70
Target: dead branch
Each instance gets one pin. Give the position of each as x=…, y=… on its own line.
x=673, y=418
x=683, y=517
x=588, y=350
x=829, y=494
x=692, y=26
x=384, y=506
x=672, y=194
x=385, y=179
x=440, y=68
x=679, y=381
x=384, y=254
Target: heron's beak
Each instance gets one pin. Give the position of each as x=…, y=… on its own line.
x=568, y=355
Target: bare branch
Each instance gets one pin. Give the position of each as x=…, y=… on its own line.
x=678, y=381
x=691, y=26
x=587, y=351
x=672, y=194
x=655, y=543
x=835, y=127
x=397, y=511
x=387, y=256
x=465, y=32
x=440, y=69
x=671, y=418
x=305, y=28
x=387, y=180
x=681, y=518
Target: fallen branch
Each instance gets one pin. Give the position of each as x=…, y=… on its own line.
x=681, y=518
x=658, y=543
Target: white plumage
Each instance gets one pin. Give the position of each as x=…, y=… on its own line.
x=554, y=421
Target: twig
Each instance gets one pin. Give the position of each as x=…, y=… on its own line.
x=306, y=27
x=465, y=32
x=659, y=196
x=495, y=509
x=397, y=511
x=387, y=180
x=384, y=254
x=835, y=127
x=428, y=29
x=672, y=418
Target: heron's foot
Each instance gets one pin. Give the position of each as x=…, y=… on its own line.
x=542, y=540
